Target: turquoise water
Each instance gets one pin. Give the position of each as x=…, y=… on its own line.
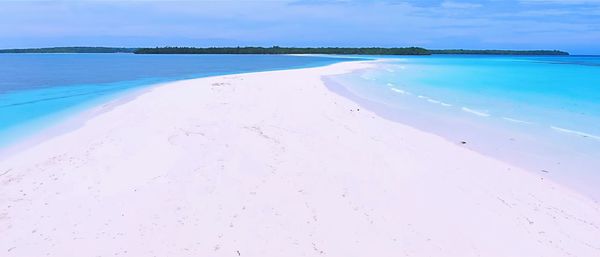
x=36, y=90
x=541, y=113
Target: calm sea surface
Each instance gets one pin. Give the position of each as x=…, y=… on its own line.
x=541, y=113
x=38, y=89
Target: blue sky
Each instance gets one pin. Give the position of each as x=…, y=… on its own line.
x=572, y=25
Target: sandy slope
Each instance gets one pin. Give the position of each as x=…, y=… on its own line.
x=274, y=164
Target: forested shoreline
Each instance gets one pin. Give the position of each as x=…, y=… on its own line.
x=283, y=50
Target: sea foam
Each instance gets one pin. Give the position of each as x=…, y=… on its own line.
x=400, y=91
x=516, y=120
x=476, y=112
x=575, y=132
x=433, y=101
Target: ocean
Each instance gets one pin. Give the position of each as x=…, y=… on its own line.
x=539, y=113
x=39, y=90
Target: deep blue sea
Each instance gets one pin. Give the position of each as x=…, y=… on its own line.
x=541, y=113
x=37, y=90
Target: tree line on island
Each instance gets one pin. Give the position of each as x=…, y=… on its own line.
x=287, y=50
x=282, y=50
x=499, y=52
x=70, y=49
x=336, y=50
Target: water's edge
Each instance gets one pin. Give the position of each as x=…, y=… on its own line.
x=77, y=117
x=390, y=114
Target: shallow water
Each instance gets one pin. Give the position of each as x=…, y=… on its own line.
x=541, y=113
x=36, y=90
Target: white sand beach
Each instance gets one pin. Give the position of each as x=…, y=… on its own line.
x=274, y=164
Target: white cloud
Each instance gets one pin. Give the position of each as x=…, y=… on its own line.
x=562, y=2
x=459, y=5
x=436, y=24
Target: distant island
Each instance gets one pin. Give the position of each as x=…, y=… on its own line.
x=286, y=50
x=282, y=50
x=336, y=50
x=499, y=52
x=71, y=49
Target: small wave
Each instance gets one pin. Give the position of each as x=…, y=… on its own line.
x=400, y=91
x=575, y=132
x=516, y=121
x=476, y=112
x=438, y=102
x=431, y=100
x=389, y=70
x=96, y=92
x=390, y=84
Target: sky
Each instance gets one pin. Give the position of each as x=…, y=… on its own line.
x=571, y=25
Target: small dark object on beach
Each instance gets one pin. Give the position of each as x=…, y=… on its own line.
x=358, y=110
x=463, y=142
x=545, y=171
